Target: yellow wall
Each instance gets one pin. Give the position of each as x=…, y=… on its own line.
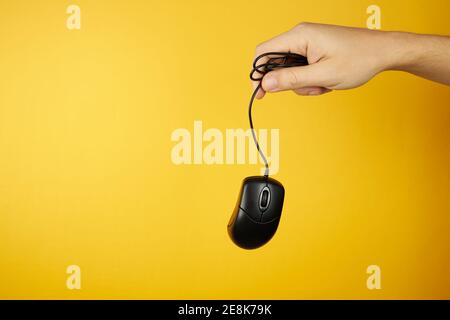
x=86, y=176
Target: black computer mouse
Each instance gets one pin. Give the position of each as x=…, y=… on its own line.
x=257, y=213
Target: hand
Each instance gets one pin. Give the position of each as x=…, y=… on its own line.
x=343, y=57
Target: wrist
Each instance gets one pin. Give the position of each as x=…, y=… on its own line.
x=400, y=51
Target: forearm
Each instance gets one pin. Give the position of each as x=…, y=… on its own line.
x=427, y=56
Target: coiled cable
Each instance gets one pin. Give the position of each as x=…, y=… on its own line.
x=273, y=61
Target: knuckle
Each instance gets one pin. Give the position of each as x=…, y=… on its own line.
x=260, y=48
x=291, y=79
x=302, y=25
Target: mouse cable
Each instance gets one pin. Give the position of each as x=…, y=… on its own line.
x=273, y=61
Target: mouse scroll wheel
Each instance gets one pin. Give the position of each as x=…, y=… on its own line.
x=265, y=198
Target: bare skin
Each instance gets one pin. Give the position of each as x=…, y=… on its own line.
x=344, y=58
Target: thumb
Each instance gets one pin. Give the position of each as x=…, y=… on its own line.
x=313, y=75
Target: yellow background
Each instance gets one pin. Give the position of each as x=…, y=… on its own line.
x=86, y=176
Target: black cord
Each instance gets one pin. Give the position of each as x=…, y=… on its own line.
x=275, y=60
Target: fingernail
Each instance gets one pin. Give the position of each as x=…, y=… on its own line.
x=271, y=84
x=260, y=95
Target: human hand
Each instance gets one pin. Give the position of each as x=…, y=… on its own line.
x=343, y=57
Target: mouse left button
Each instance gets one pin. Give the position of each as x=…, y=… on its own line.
x=250, y=200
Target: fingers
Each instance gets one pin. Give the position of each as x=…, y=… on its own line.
x=276, y=44
x=255, y=84
x=311, y=91
x=290, y=41
x=260, y=94
x=313, y=75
